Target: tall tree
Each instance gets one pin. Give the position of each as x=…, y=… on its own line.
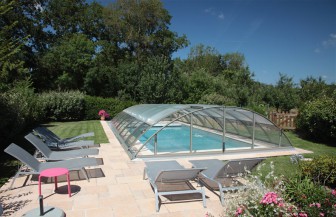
x=156, y=81
x=11, y=57
x=312, y=88
x=205, y=57
x=66, y=64
x=286, y=97
x=141, y=29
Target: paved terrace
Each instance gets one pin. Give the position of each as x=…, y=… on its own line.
x=116, y=189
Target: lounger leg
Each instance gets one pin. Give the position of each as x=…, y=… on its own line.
x=14, y=177
x=85, y=174
x=203, y=197
x=221, y=193
x=144, y=173
x=156, y=200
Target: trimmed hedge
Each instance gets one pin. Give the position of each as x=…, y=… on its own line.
x=21, y=109
x=110, y=105
x=63, y=106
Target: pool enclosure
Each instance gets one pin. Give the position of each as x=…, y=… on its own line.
x=153, y=130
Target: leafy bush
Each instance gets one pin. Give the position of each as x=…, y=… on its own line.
x=110, y=105
x=63, y=106
x=19, y=108
x=317, y=119
x=276, y=196
x=322, y=169
x=310, y=198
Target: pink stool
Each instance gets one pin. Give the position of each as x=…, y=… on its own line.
x=54, y=172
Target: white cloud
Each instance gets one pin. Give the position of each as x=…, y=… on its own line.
x=330, y=42
x=221, y=16
x=213, y=12
x=208, y=10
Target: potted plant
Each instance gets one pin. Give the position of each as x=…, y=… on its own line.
x=103, y=115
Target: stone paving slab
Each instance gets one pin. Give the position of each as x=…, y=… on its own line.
x=121, y=192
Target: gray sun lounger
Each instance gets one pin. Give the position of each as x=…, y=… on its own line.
x=32, y=166
x=58, y=155
x=221, y=175
x=166, y=176
x=54, y=142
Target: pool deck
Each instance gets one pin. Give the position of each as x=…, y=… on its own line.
x=119, y=191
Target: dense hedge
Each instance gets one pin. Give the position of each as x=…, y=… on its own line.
x=21, y=109
x=63, y=106
x=110, y=105
x=317, y=119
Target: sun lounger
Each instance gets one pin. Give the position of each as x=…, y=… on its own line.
x=32, y=166
x=54, y=142
x=166, y=176
x=221, y=176
x=46, y=131
x=58, y=155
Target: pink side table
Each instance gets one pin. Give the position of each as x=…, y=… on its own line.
x=54, y=172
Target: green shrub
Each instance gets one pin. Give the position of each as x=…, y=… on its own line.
x=110, y=105
x=317, y=119
x=19, y=109
x=310, y=198
x=63, y=106
x=322, y=169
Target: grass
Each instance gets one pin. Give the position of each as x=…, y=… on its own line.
x=283, y=165
x=69, y=129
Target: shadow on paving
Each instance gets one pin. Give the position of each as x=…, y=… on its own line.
x=10, y=207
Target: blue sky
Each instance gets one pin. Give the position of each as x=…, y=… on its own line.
x=294, y=37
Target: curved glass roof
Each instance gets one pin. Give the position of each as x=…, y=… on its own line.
x=172, y=129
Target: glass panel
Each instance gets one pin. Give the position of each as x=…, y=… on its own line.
x=207, y=129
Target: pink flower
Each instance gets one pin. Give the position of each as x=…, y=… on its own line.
x=302, y=214
x=318, y=205
x=103, y=113
x=321, y=214
x=239, y=211
x=333, y=192
x=270, y=197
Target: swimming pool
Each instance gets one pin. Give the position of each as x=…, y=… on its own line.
x=177, y=139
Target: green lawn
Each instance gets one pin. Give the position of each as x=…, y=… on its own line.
x=69, y=129
x=283, y=165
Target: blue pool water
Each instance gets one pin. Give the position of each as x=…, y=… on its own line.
x=176, y=139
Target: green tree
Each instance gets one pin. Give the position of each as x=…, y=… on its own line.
x=66, y=64
x=156, y=80
x=285, y=95
x=198, y=84
x=128, y=74
x=67, y=17
x=141, y=29
x=205, y=57
x=317, y=118
x=312, y=88
x=12, y=66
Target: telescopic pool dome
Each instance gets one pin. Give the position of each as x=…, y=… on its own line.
x=175, y=129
